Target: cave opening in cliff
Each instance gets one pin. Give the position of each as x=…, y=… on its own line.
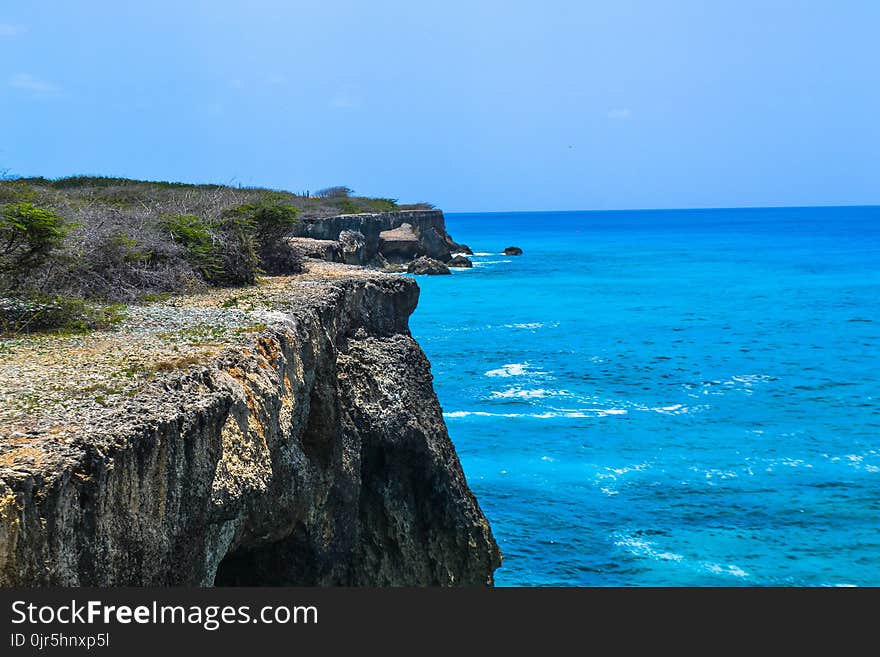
x=290, y=561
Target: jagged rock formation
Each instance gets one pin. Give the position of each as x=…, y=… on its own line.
x=352, y=243
x=328, y=250
x=425, y=265
x=460, y=261
x=313, y=453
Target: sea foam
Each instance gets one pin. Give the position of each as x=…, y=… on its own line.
x=509, y=369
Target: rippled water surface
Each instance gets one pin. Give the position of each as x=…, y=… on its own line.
x=670, y=397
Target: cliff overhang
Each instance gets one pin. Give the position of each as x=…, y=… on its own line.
x=303, y=445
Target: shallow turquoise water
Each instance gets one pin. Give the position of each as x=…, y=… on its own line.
x=669, y=397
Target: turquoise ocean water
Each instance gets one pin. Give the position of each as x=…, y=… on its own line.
x=667, y=397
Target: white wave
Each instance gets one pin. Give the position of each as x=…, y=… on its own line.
x=509, y=369
x=539, y=416
x=728, y=569
x=520, y=393
x=482, y=253
x=749, y=380
x=857, y=461
x=674, y=409
x=616, y=473
x=667, y=409
x=642, y=548
x=454, y=414
x=715, y=473
x=526, y=325
x=744, y=383
x=593, y=412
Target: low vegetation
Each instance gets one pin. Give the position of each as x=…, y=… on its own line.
x=72, y=249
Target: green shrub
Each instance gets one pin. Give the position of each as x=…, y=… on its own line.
x=270, y=221
x=347, y=206
x=269, y=218
x=52, y=313
x=27, y=234
x=224, y=251
x=382, y=204
x=236, y=248
x=194, y=235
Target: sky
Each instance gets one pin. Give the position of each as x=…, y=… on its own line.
x=481, y=105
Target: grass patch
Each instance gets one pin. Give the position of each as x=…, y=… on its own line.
x=178, y=363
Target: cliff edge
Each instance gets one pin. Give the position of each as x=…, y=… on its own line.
x=286, y=434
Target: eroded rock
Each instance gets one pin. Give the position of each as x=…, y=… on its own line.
x=425, y=265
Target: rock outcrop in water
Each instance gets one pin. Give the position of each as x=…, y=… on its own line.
x=311, y=452
x=513, y=251
x=460, y=261
x=429, y=266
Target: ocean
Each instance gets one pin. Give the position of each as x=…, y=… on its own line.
x=667, y=398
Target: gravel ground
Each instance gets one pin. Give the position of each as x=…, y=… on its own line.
x=55, y=385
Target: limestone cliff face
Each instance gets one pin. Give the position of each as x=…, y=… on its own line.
x=314, y=455
x=392, y=236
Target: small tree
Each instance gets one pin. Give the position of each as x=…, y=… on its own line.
x=203, y=249
x=270, y=221
x=334, y=192
x=27, y=234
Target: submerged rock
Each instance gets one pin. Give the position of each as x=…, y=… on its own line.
x=460, y=261
x=513, y=251
x=425, y=265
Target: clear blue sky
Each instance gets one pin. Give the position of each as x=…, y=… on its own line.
x=477, y=105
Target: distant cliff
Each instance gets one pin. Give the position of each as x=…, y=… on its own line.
x=380, y=238
x=302, y=446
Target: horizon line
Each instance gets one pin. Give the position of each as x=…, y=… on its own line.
x=674, y=209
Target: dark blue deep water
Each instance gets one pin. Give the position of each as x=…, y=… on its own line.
x=667, y=397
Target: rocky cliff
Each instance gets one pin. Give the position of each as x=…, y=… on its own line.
x=379, y=238
x=301, y=445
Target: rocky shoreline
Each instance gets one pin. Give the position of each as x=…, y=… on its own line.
x=283, y=434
